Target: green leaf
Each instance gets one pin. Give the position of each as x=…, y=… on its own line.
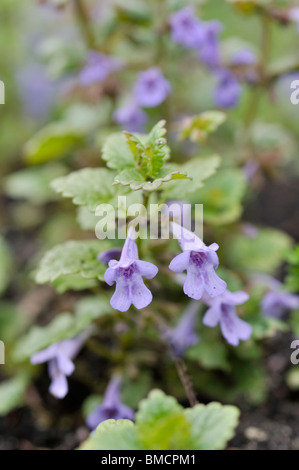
x=5, y=265
x=135, y=179
x=210, y=353
x=263, y=253
x=212, y=425
x=161, y=423
x=221, y=196
x=12, y=393
x=113, y=435
x=87, y=187
x=197, y=128
x=52, y=142
x=33, y=184
x=64, y=326
x=150, y=151
x=117, y=153
x=72, y=257
x=198, y=169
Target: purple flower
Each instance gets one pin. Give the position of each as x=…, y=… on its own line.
x=108, y=255
x=277, y=303
x=209, y=52
x=180, y=211
x=60, y=365
x=228, y=90
x=97, y=68
x=186, y=29
x=183, y=336
x=131, y=117
x=244, y=57
x=127, y=274
x=200, y=261
x=222, y=310
x=294, y=16
x=250, y=169
x=38, y=93
x=151, y=88
x=111, y=407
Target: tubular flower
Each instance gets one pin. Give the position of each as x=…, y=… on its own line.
x=151, y=88
x=222, y=310
x=183, y=336
x=111, y=407
x=200, y=261
x=59, y=357
x=127, y=273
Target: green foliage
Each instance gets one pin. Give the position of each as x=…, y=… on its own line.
x=53, y=142
x=5, y=264
x=198, y=128
x=63, y=326
x=292, y=279
x=12, y=393
x=263, y=253
x=72, y=258
x=33, y=184
x=87, y=187
x=162, y=424
x=222, y=196
x=199, y=169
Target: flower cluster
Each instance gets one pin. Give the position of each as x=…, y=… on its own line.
x=97, y=68
x=189, y=31
x=200, y=262
x=150, y=90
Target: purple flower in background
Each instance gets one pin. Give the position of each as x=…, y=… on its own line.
x=97, y=68
x=222, y=310
x=250, y=169
x=131, y=117
x=38, y=93
x=228, y=90
x=278, y=303
x=294, y=16
x=186, y=29
x=59, y=357
x=151, y=88
x=183, y=336
x=127, y=273
x=180, y=211
x=244, y=57
x=200, y=261
x=108, y=255
x=111, y=407
x=209, y=52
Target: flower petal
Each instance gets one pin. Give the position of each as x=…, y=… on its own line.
x=59, y=386
x=141, y=296
x=193, y=286
x=212, y=283
x=121, y=298
x=146, y=269
x=45, y=355
x=110, y=276
x=233, y=328
x=180, y=262
x=236, y=298
x=212, y=316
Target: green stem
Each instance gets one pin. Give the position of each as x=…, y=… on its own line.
x=84, y=23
